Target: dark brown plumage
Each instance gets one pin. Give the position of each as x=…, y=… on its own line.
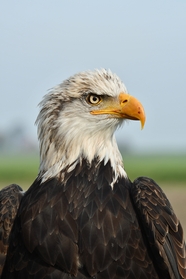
x=83, y=217
x=10, y=198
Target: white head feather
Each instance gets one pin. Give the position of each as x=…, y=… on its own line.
x=67, y=130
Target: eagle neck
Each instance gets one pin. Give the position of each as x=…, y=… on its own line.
x=83, y=151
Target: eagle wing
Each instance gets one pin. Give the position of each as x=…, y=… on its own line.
x=160, y=227
x=10, y=198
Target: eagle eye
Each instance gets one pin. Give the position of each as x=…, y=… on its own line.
x=94, y=99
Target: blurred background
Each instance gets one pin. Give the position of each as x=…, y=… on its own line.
x=143, y=42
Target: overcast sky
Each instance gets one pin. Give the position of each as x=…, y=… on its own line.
x=143, y=42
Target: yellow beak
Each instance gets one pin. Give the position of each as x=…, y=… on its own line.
x=126, y=107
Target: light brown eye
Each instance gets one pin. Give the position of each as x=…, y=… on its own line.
x=94, y=99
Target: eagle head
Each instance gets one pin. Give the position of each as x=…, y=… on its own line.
x=78, y=119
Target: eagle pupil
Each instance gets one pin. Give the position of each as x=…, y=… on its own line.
x=95, y=99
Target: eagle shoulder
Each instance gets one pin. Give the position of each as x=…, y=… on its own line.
x=10, y=198
x=161, y=228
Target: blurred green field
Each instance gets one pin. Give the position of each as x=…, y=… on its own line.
x=22, y=170
x=165, y=169
x=162, y=168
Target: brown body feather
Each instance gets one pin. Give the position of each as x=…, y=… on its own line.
x=84, y=228
x=10, y=198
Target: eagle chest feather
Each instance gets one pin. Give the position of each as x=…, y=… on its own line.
x=83, y=225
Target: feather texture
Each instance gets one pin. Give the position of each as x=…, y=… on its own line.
x=96, y=232
x=161, y=227
x=10, y=198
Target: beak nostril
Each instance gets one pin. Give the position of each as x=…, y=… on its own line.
x=125, y=101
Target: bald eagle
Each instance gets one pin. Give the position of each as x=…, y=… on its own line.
x=82, y=217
